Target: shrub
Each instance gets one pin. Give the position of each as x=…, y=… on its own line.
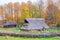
x=58, y=25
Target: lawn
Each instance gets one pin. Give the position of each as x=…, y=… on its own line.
x=19, y=38
x=16, y=30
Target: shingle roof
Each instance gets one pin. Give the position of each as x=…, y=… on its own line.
x=10, y=23
x=35, y=23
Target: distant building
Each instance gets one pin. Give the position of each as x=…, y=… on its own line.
x=9, y=25
x=34, y=24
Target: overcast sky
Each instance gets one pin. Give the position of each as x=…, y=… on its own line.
x=2, y=2
x=7, y=1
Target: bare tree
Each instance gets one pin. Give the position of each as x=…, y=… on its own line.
x=41, y=7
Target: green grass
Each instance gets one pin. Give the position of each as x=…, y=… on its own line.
x=9, y=30
x=19, y=38
x=16, y=30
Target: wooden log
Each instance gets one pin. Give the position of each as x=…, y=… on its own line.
x=31, y=35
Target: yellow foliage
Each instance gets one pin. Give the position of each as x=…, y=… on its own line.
x=25, y=8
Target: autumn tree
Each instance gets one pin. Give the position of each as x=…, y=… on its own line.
x=17, y=11
x=40, y=8
x=9, y=11
x=58, y=14
x=24, y=10
x=51, y=14
x=2, y=12
x=32, y=9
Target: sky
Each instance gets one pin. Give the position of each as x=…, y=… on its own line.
x=2, y=2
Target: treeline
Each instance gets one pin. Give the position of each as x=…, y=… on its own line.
x=16, y=12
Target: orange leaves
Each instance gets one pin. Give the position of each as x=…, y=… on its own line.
x=30, y=10
x=52, y=14
x=9, y=17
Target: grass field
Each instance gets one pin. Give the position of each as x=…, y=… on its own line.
x=15, y=30
x=19, y=38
